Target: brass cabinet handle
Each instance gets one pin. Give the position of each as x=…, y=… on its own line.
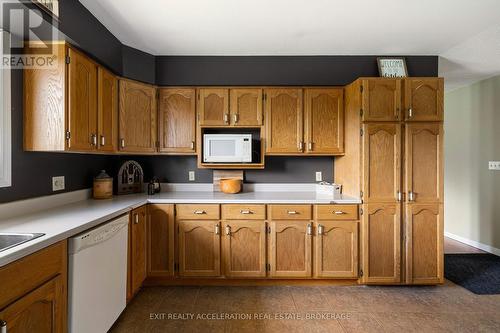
x=338, y=212
x=236, y=116
x=228, y=230
x=122, y=143
x=301, y=146
x=310, y=146
x=192, y=145
x=246, y=212
x=226, y=118
x=321, y=229
x=103, y=140
x=292, y=212
x=199, y=212
x=309, y=229
x=217, y=229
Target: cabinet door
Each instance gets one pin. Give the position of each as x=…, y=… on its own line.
x=246, y=107
x=336, y=253
x=107, y=111
x=82, y=103
x=424, y=243
x=213, y=107
x=137, y=117
x=284, y=123
x=424, y=99
x=381, y=243
x=381, y=99
x=381, y=162
x=244, y=248
x=424, y=162
x=177, y=120
x=138, y=247
x=43, y=310
x=290, y=249
x=324, y=121
x=199, y=248
x=160, y=240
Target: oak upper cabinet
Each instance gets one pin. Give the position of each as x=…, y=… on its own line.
x=324, y=120
x=160, y=240
x=177, y=120
x=107, y=111
x=42, y=310
x=213, y=106
x=244, y=248
x=424, y=243
x=284, y=121
x=381, y=162
x=424, y=162
x=381, y=99
x=137, y=131
x=199, y=247
x=82, y=102
x=381, y=243
x=423, y=99
x=246, y=106
x=138, y=248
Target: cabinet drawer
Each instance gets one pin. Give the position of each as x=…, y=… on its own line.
x=336, y=212
x=243, y=212
x=197, y=212
x=290, y=212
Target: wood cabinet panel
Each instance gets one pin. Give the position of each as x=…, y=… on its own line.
x=137, y=115
x=177, y=120
x=199, y=248
x=424, y=99
x=424, y=162
x=138, y=247
x=43, y=310
x=287, y=238
x=424, y=243
x=197, y=212
x=244, y=250
x=107, y=111
x=160, y=239
x=336, y=254
x=336, y=212
x=246, y=107
x=289, y=212
x=243, y=212
x=284, y=121
x=82, y=102
x=381, y=243
x=213, y=106
x=324, y=120
x=381, y=162
x=381, y=99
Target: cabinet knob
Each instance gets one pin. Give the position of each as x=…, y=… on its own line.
x=192, y=145
x=217, y=229
x=236, y=118
x=310, y=146
x=301, y=146
x=309, y=229
x=410, y=112
x=93, y=139
x=122, y=143
x=103, y=140
x=411, y=196
x=321, y=229
x=226, y=118
x=228, y=230
x=400, y=196
x=3, y=326
x=136, y=219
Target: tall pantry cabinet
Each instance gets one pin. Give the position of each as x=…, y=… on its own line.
x=394, y=162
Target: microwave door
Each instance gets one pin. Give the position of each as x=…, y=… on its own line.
x=223, y=150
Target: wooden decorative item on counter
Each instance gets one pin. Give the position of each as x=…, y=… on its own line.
x=130, y=178
x=103, y=186
x=225, y=174
x=230, y=185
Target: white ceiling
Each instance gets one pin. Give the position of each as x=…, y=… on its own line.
x=309, y=27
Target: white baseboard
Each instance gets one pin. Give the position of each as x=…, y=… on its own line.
x=475, y=244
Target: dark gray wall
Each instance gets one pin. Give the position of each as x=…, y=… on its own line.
x=138, y=65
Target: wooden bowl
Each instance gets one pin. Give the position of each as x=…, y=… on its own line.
x=230, y=185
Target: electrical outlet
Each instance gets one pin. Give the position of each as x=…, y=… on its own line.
x=57, y=183
x=319, y=176
x=494, y=165
x=191, y=176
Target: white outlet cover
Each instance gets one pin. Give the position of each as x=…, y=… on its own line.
x=57, y=183
x=319, y=176
x=494, y=165
x=191, y=176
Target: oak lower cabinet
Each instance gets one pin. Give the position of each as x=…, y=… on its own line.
x=160, y=240
x=138, y=249
x=36, y=299
x=381, y=243
x=137, y=116
x=424, y=243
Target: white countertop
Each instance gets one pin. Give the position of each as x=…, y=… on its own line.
x=61, y=222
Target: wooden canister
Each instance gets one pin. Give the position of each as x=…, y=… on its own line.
x=103, y=186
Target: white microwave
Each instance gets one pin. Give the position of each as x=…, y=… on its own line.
x=227, y=148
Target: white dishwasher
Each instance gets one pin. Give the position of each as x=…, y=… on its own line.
x=97, y=276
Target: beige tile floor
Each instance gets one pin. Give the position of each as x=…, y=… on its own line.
x=446, y=308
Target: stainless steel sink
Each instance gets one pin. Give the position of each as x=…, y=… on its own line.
x=11, y=239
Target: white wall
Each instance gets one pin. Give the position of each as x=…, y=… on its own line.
x=472, y=138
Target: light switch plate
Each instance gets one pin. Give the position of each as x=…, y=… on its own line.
x=191, y=176
x=319, y=176
x=57, y=183
x=494, y=165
